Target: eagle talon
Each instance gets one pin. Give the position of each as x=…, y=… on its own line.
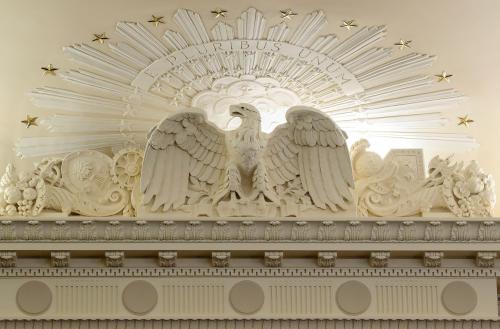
x=233, y=196
x=260, y=184
x=231, y=186
x=263, y=196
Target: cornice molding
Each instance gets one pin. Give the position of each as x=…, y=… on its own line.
x=250, y=272
x=339, y=323
x=255, y=230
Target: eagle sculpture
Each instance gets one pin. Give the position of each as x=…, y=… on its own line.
x=304, y=161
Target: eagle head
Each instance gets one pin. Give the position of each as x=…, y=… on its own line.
x=244, y=111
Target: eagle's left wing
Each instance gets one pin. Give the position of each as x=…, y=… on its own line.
x=311, y=147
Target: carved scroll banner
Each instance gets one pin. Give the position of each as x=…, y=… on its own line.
x=333, y=69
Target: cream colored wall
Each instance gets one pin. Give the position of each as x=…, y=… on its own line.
x=464, y=35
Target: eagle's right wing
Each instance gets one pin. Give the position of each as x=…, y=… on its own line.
x=182, y=145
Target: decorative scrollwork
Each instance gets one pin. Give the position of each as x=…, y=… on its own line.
x=81, y=183
x=391, y=187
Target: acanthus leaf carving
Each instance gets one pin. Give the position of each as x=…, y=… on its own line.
x=220, y=230
x=459, y=232
x=433, y=258
x=87, y=230
x=326, y=231
x=380, y=231
x=7, y=230
x=487, y=231
x=353, y=231
x=486, y=258
x=300, y=231
x=168, y=230
x=239, y=230
x=193, y=230
x=379, y=258
x=60, y=258
x=406, y=231
x=141, y=230
x=167, y=258
x=113, y=231
x=60, y=231
x=114, y=258
x=247, y=230
x=33, y=230
x=273, y=258
x=433, y=231
x=273, y=230
x=8, y=259
x=327, y=258
x=221, y=258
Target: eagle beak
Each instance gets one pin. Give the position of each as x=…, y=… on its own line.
x=235, y=111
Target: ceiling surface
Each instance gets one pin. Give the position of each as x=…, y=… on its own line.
x=463, y=34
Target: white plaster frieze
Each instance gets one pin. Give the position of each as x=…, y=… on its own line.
x=270, y=182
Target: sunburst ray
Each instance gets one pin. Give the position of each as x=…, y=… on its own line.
x=108, y=107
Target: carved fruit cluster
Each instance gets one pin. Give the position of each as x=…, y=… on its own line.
x=21, y=194
x=470, y=192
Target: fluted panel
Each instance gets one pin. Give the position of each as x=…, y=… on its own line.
x=407, y=299
x=293, y=299
x=86, y=299
x=193, y=299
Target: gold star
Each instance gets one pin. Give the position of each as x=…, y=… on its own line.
x=403, y=44
x=30, y=121
x=349, y=24
x=287, y=14
x=100, y=37
x=219, y=13
x=464, y=121
x=156, y=20
x=444, y=77
x=49, y=69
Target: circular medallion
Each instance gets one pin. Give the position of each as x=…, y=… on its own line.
x=87, y=172
x=246, y=297
x=34, y=297
x=459, y=297
x=139, y=297
x=353, y=297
